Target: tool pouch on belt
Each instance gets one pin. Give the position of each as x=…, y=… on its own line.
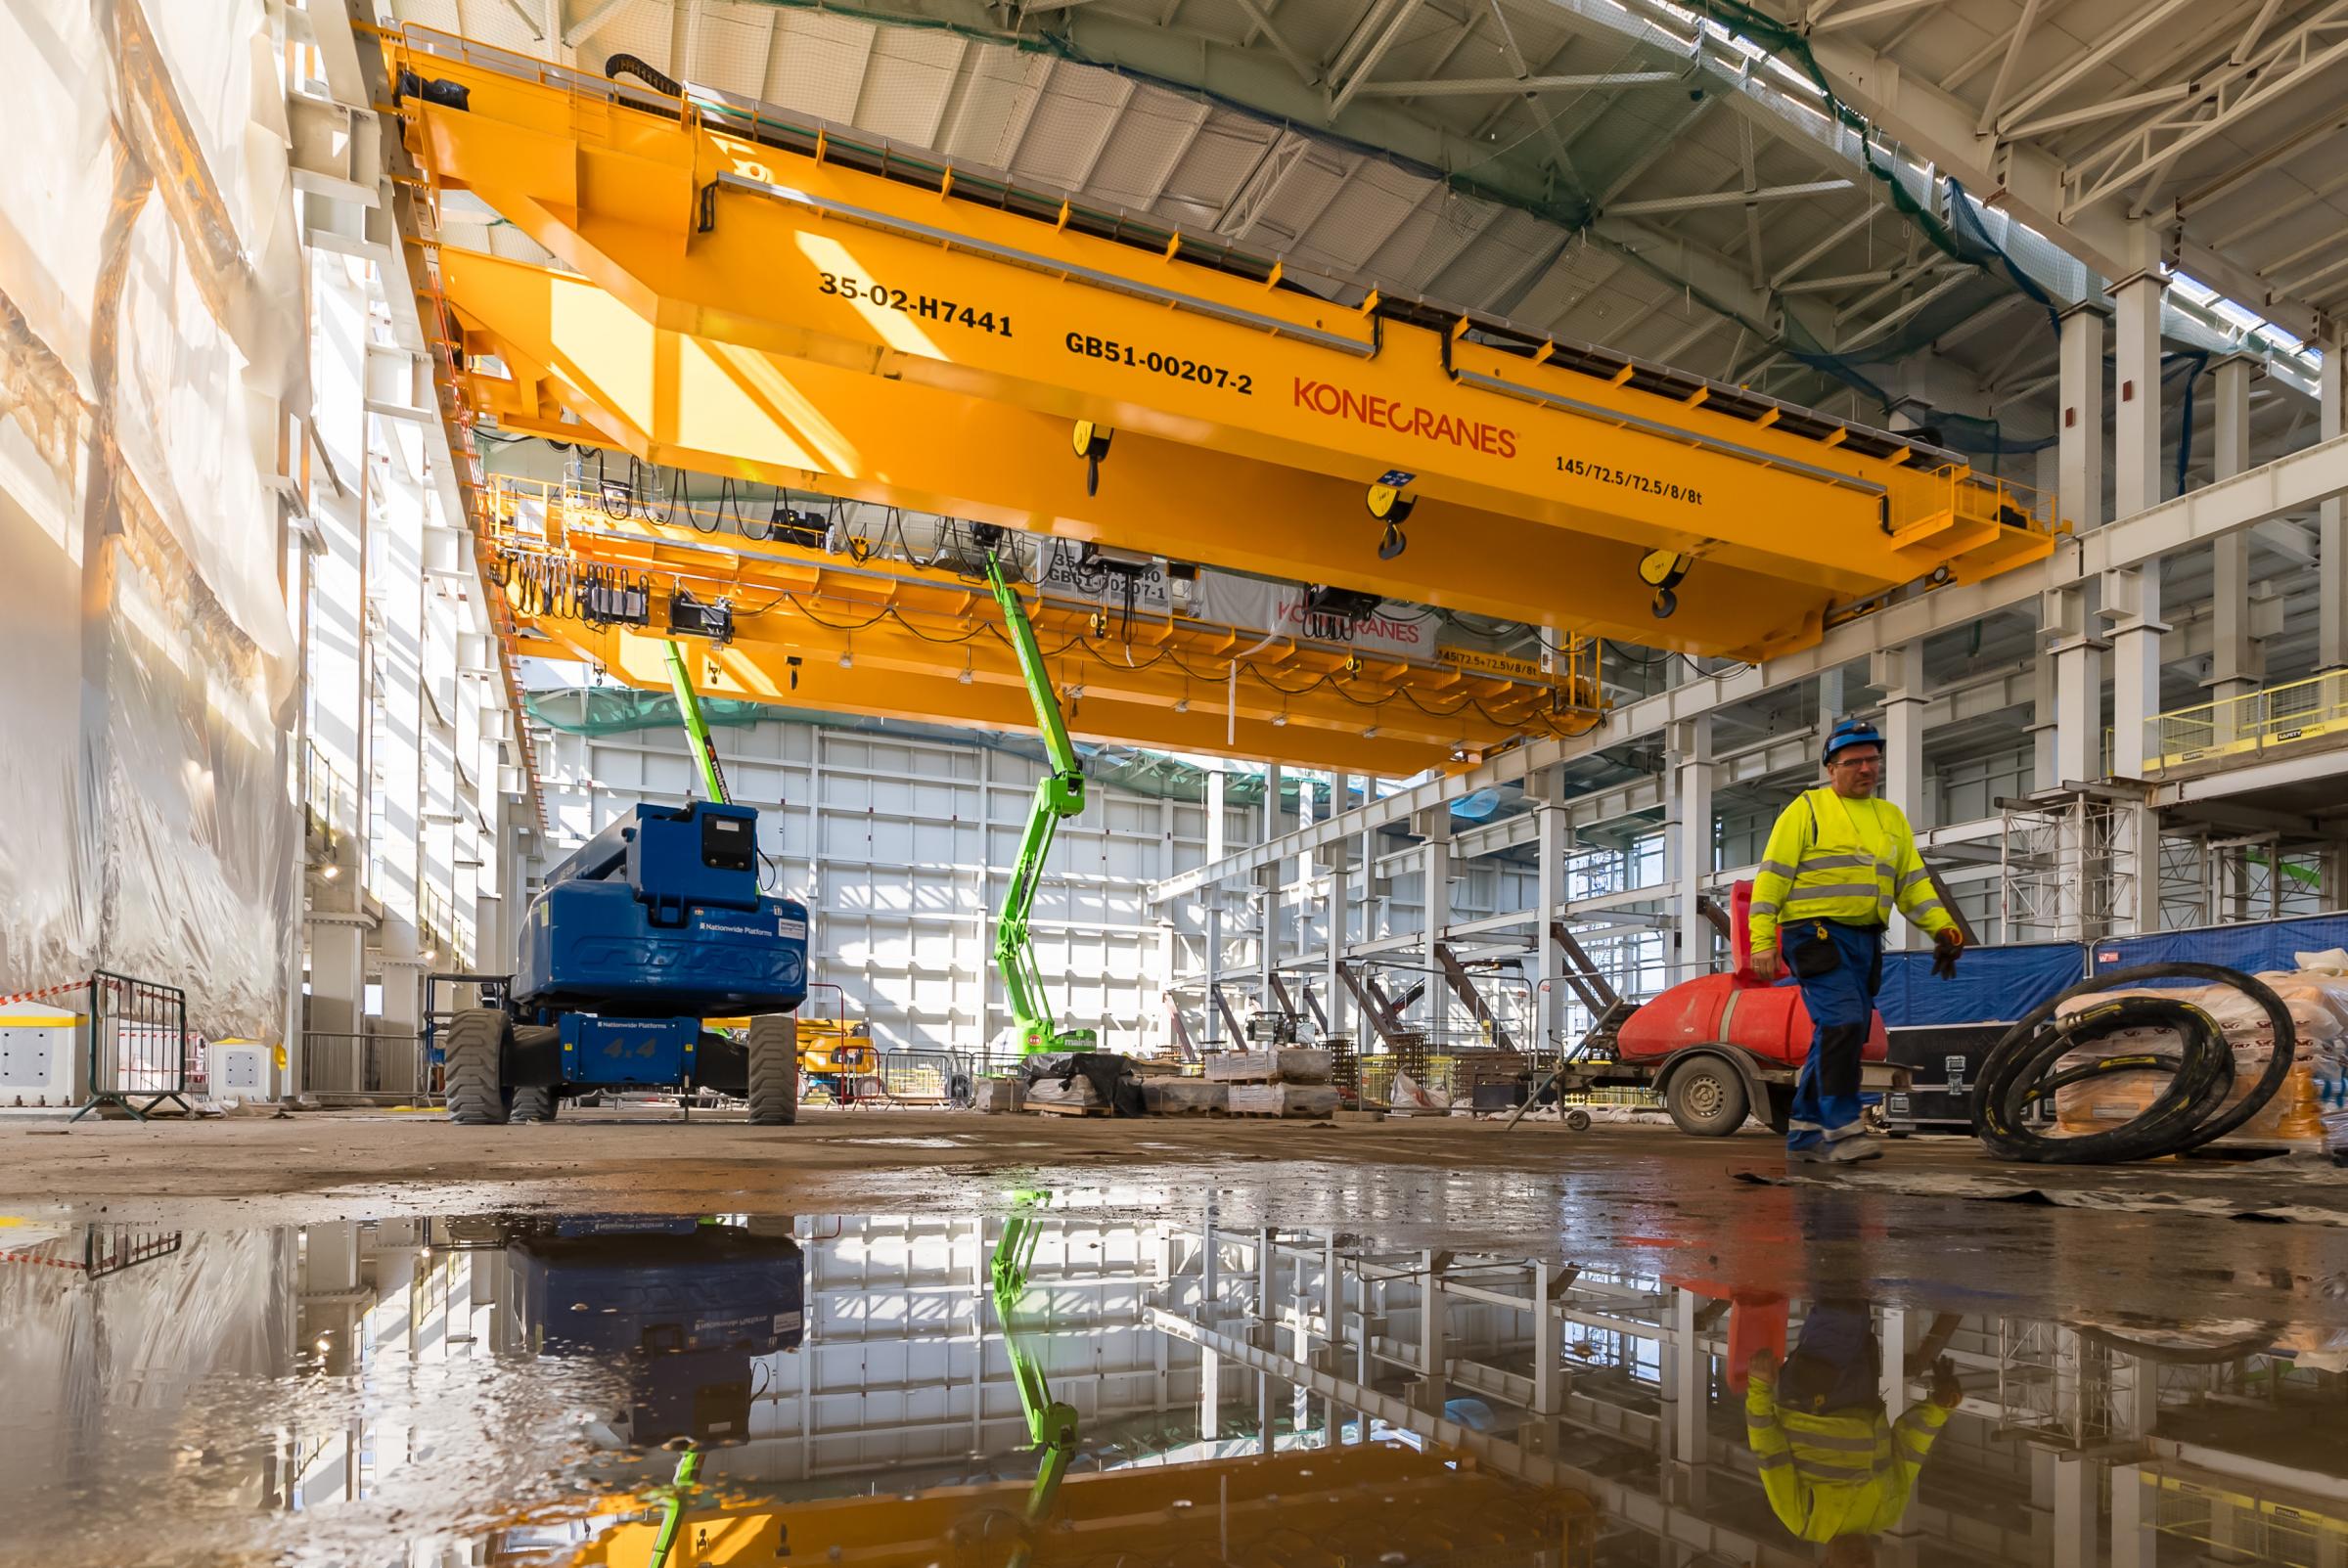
x=1812, y=951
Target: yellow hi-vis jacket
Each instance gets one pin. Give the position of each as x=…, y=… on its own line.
x=1839, y=1473
x=1842, y=860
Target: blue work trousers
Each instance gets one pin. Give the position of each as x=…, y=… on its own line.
x=1841, y=1004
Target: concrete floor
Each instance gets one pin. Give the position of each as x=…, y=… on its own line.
x=1934, y=1225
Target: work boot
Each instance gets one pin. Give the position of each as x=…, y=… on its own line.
x=1850, y=1151
x=1815, y=1155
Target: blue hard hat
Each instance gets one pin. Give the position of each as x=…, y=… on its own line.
x=1853, y=733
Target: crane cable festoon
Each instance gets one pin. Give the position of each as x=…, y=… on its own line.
x=2020, y=1073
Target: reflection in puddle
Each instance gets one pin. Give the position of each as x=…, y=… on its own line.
x=1071, y=1383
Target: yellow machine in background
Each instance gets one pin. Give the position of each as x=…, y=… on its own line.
x=836, y=1055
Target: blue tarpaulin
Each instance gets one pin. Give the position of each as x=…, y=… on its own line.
x=1993, y=984
x=2251, y=946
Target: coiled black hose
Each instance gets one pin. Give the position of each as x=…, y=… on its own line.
x=2019, y=1073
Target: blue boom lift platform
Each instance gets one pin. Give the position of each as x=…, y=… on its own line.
x=651, y=927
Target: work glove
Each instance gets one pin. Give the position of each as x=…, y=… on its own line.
x=1945, y=949
x=1946, y=1391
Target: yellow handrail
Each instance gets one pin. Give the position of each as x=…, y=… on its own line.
x=2289, y=714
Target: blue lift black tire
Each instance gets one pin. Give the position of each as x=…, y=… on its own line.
x=473, y=1057
x=774, y=1085
x=534, y=1104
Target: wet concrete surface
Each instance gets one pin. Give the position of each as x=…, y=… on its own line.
x=2265, y=1240
x=362, y=1338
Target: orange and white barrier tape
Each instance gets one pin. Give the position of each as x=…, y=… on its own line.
x=44, y=992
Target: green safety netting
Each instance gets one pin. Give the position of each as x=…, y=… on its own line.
x=617, y=709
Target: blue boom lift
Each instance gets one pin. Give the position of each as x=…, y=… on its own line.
x=651, y=927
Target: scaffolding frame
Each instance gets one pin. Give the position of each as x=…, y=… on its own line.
x=2067, y=864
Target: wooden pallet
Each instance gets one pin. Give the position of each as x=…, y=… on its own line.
x=1068, y=1110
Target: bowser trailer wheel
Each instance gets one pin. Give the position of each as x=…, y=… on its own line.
x=1707, y=1099
x=472, y=1067
x=774, y=1085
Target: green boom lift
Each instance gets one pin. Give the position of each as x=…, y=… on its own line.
x=1050, y=1424
x=1059, y=796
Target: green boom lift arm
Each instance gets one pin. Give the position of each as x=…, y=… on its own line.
x=1051, y=1426
x=697, y=727
x=1059, y=795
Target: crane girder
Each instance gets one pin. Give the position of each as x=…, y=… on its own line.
x=682, y=401
x=740, y=253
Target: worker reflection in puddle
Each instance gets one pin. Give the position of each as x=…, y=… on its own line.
x=1837, y=862
x=1837, y=1471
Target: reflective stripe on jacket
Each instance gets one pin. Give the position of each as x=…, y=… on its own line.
x=1833, y=859
x=1836, y=1473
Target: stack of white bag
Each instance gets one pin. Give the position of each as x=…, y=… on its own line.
x=2309, y=1112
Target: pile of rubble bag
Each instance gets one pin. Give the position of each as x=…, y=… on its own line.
x=2308, y=1114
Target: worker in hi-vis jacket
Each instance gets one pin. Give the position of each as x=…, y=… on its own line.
x=1836, y=1468
x=1838, y=860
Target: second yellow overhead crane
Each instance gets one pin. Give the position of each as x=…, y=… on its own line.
x=746, y=293
x=591, y=574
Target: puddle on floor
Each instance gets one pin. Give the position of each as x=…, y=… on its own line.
x=1078, y=1380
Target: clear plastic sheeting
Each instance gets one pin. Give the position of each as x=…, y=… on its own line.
x=149, y=356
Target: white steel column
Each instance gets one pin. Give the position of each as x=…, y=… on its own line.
x=1891, y=1328
x=2076, y=652
x=1306, y=868
x=1689, y=845
x=1267, y=946
x=1900, y=673
x=1333, y=995
x=1435, y=874
x=2134, y=1543
x=2079, y=491
x=2236, y=660
x=1432, y=1357
x=2131, y=598
x=2078, y=1499
x=2331, y=547
x=1267, y=952
x=1549, y=822
x=1213, y=915
x=1692, y=1380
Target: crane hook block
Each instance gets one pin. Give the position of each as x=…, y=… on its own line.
x=1091, y=442
x=1662, y=570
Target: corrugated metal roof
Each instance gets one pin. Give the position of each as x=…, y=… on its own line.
x=1247, y=158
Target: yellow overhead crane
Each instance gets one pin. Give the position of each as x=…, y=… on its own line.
x=888, y=639
x=1352, y=1503
x=747, y=292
